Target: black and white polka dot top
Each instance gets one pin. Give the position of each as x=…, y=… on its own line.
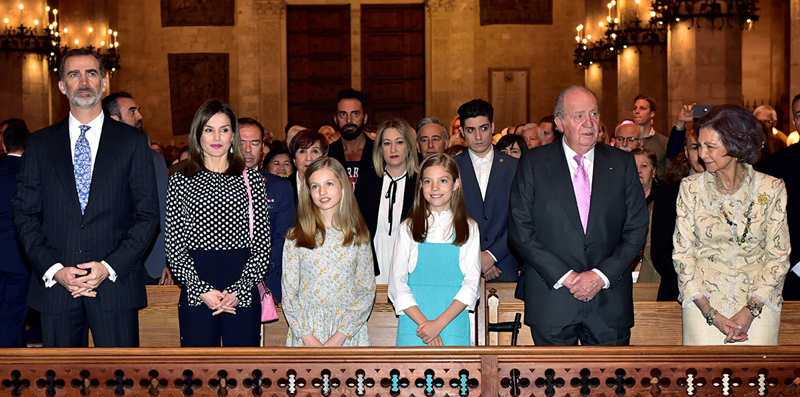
x=209, y=211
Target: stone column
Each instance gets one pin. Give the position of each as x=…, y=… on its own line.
x=704, y=66
x=641, y=70
x=453, y=77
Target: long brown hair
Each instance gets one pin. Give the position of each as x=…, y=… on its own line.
x=195, y=162
x=418, y=218
x=310, y=226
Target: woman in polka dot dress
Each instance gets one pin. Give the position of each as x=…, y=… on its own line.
x=328, y=279
x=209, y=245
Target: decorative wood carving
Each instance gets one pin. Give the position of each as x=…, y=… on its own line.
x=193, y=79
x=197, y=12
x=520, y=12
x=270, y=7
x=570, y=371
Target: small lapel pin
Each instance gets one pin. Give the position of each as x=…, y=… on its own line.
x=501, y=160
x=611, y=168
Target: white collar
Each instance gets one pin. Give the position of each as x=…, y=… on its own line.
x=477, y=159
x=588, y=156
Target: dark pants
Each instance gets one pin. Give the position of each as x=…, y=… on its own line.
x=199, y=328
x=110, y=328
x=791, y=289
x=13, y=308
x=591, y=330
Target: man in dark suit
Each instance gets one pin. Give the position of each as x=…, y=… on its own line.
x=85, y=212
x=784, y=164
x=281, y=211
x=121, y=107
x=578, y=219
x=486, y=176
x=14, y=275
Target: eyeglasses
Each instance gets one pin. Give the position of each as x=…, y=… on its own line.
x=627, y=140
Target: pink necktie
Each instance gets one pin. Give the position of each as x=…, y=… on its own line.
x=583, y=195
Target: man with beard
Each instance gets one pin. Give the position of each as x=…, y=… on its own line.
x=354, y=148
x=280, y=197
x=85, y=212
x=121, y=107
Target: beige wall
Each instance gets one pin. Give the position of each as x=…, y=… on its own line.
x=459, y=54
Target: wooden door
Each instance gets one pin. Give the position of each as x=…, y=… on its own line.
x=393, y=61
x=318, y=49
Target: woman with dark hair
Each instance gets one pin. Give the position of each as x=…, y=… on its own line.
x=279, y=161
x=217, y=234
x=731, y=244
x=305, y=147
x=512, y=145
x=386, y=200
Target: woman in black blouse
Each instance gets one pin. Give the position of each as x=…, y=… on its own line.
x=386, y=199
x=217, y=234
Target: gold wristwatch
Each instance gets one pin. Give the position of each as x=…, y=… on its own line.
x=754, y=307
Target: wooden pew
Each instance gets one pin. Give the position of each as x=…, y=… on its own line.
x=482, y=371
x=655, y=323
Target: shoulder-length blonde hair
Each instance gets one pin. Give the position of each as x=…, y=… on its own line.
x=309, y=230
x=410, y=138
x=196, y=161
x=418, y=217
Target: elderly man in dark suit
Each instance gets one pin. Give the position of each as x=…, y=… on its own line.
x=486, y=176
x=578, y=218
x=85, y=212
x=13, y=272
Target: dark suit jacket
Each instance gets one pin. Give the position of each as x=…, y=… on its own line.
x=491, y=213
x=156, y=255
x=369, y=201
x=545, y=229
x=119, y=223
x=282, y=215
x=784, y=165
x=9, y=248
x=366, y=169
x=661, y=231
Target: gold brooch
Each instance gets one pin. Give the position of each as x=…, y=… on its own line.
x=762, y=199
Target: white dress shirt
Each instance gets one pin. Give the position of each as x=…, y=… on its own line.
x=93, y=136
x=386, y=234
x=483, y=167
x=440, y=230
x=588, y=165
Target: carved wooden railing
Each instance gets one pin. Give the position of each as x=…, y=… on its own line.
x=574, y=371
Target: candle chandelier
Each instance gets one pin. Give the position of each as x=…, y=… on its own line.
x=27, y=34
x=719, y=13
x=619, y=35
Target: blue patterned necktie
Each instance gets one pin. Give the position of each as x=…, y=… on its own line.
x=83, y=167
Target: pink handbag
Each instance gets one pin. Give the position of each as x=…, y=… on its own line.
x=268, y=310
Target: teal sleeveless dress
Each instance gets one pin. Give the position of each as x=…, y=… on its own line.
x=434, y=283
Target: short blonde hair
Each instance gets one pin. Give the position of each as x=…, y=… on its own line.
x=410, y=138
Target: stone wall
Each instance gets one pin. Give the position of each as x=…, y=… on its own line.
x=459, y=53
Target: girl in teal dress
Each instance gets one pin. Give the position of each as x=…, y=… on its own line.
x=436, y=268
